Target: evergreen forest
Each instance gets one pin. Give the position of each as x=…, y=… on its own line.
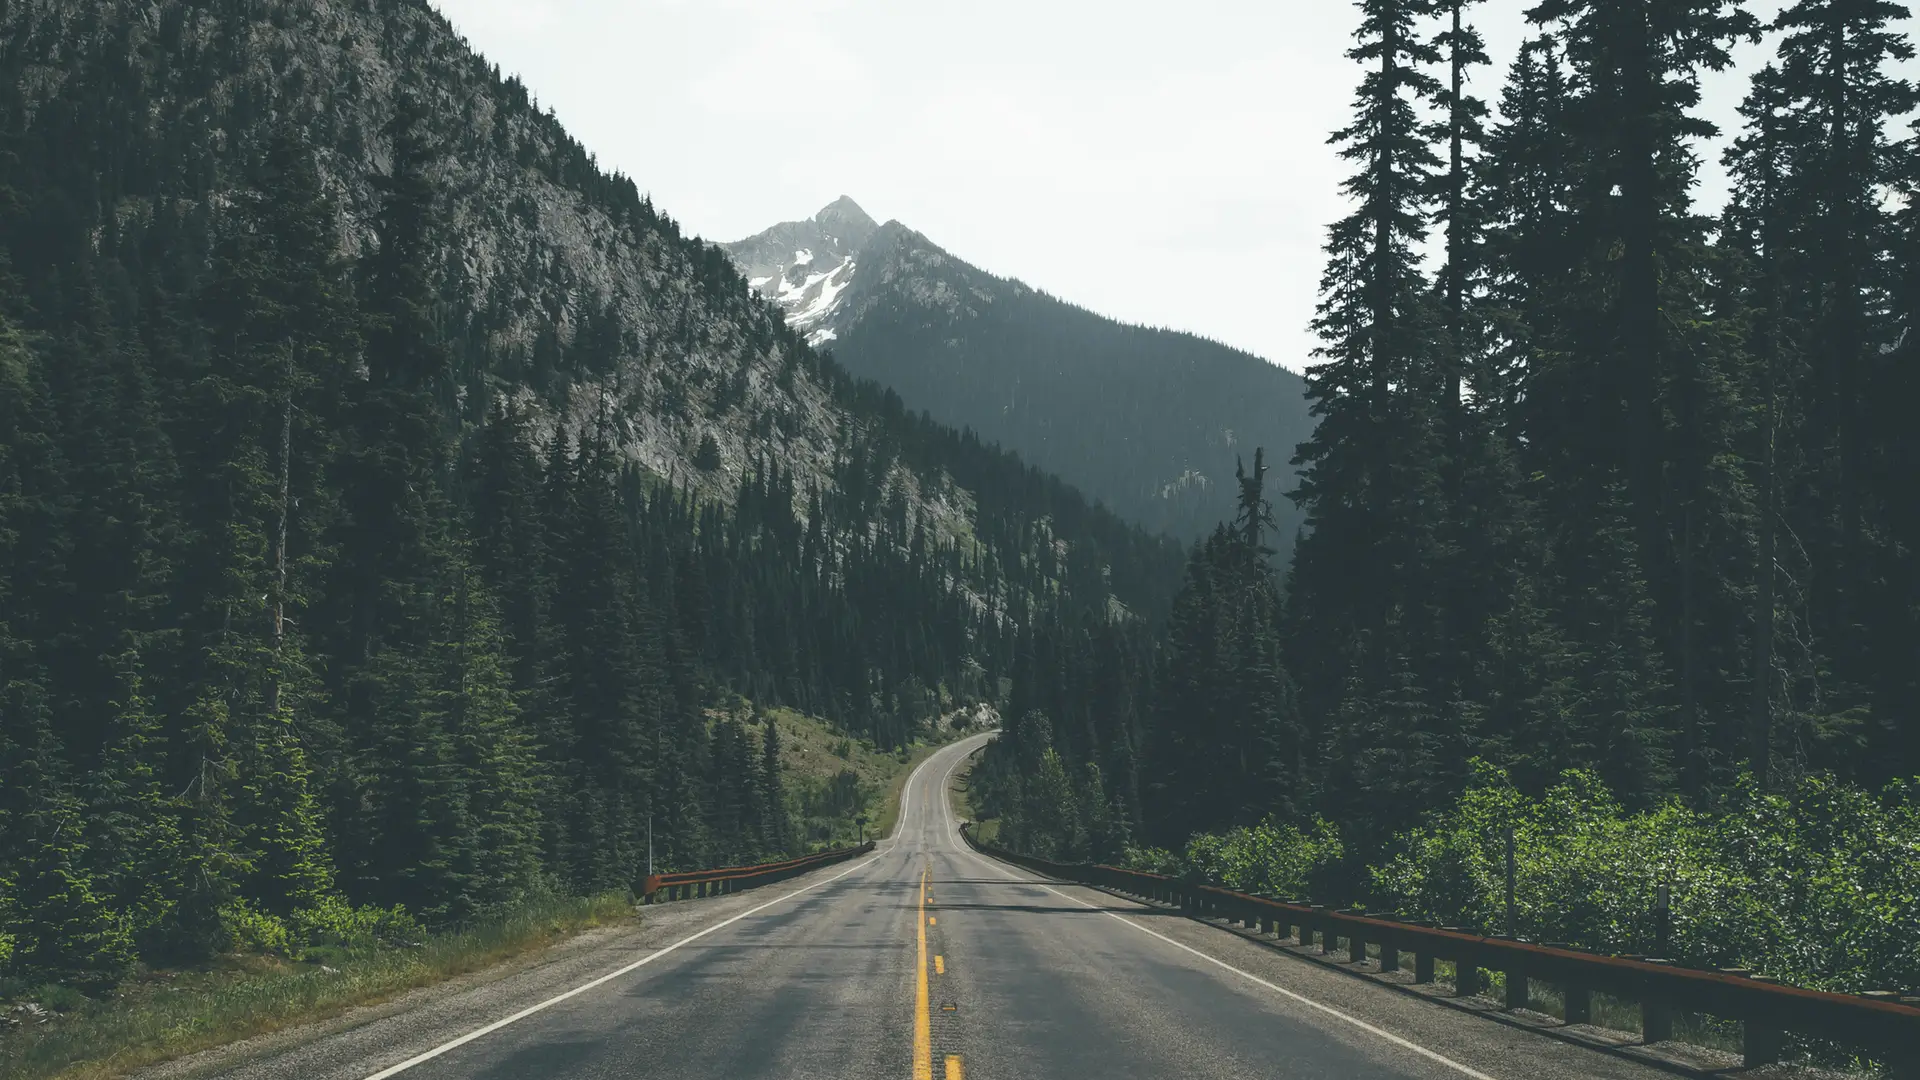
x=370, y=564
x=1146, y=420
x=1612, y=530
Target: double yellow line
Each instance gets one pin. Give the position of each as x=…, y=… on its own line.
x=923, y=1002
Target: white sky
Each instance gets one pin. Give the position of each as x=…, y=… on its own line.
x=1160, y=162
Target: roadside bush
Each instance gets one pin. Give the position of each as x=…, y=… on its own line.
x=1269, y=859
x=1818, y=886
x=250, y=930
x=1154, y=860
x=335, y=924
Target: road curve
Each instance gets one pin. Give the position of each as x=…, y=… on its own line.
x=1022, y=979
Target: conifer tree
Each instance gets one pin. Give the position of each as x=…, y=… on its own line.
x=1369, y=482
x=1835, y=97
x=132, y=831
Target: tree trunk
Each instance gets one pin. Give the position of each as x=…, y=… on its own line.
x=280, y=541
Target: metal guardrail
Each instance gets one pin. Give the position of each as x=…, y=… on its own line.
x=689, y=884
x=1883, y=1025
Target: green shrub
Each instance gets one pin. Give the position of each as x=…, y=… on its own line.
x=1818, y=885
x=60, y=997
x=1153, y=860
x=336, y=924
x=250, y=930
x=1269, y=859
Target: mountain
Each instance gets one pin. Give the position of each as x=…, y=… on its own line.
x=806, y=266
x=1149, y=421
x=398, y=509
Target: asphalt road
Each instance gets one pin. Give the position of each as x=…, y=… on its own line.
x=923, y=961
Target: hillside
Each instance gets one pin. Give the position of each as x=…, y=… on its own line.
x=386, y=491
x=1151, y=422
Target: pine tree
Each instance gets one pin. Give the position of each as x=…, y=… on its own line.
x=1368, y=482
x=1833, y=98
x=776, y=830
x=132, y=833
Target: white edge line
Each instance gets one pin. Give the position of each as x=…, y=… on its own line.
x=1389, y=1036
x=393, y=1070
x=898, y=825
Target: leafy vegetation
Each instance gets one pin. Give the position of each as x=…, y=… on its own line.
x=1817, y=885
x=168, y=1015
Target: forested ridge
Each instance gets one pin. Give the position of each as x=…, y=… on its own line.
x=369, y=563
x=1146, y=419
x=1612, y=532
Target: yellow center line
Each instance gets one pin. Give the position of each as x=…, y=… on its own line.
x=953, y=1067
x=922, y=1015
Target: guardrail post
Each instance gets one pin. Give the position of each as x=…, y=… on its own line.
x=1423, y=967
x=1760, y=1043
x=1325, y=926
x=1466, y=972
x=1514, y=974
x=1578, y=999
x=1579, y=1004
x=1356, y=944
x=1656, y=1021
x=1656, y=1015
x=1390, y=948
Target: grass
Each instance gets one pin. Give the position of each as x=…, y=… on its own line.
x=168, y=1015
x=832, y=777
x=987, y=832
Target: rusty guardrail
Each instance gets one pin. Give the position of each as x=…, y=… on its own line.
x=688, y=884
x=1881, y=1024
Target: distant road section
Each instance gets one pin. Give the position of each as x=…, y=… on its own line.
x=923, y=961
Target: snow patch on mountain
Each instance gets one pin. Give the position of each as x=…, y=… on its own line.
x=806, y=267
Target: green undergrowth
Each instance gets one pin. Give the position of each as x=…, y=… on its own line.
x=1817, y=885
x=834, y=779
x=160, y=1015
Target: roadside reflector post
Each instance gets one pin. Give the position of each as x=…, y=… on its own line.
x=1512, y=929
x=1663, y=920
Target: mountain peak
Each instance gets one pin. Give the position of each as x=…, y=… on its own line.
x=846, y=214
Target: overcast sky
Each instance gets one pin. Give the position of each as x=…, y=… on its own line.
x=1159, y=162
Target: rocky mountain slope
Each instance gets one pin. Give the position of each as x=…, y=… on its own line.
x=563, y=288
x=1149, y=421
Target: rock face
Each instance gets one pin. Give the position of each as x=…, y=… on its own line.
x=1149, y=421
x=806, y=266
x=563, y=287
